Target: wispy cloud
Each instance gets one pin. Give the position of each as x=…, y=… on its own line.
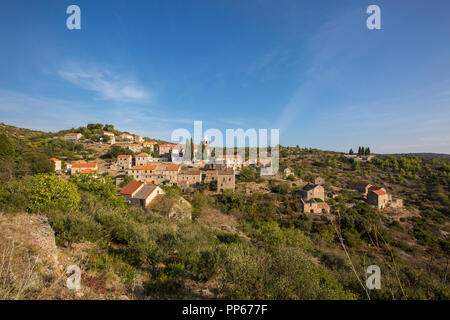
x=107, y=85
x=53, y=114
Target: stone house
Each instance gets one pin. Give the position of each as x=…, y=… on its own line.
x=127, y=136
x=313, y=191
x=88, y=171
x=171, y=175
x=313, y=206
x=164, y=149
x=227, y=161
x=319, y=180
x=140, y=194
x=108, y=133
x=124, y=161
x=147, y=173
x=378, y=197
x=136, y=147
x=381, y=199
x=143, y=159
x=150, y=145
x=183, y=185
x=225, y=180
x=72, y=136
x=57, y=163
x=81, y=166
x=264, y=163
x=210, y=176
x=396, y=203
x=192, y=177
x=138, y=138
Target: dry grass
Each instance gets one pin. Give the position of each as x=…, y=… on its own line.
x=18, y=273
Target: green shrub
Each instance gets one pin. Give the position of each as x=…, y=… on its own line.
x=228, y=238
x=48, y=191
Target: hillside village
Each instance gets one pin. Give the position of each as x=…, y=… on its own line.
x=145, y=225
x=162, y=165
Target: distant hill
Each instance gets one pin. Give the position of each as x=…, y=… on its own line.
x=16, y=132
x=424, y=155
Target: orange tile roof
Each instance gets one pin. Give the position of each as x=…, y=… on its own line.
x=88, y=171
x=84, y=165
x=172, y=168
x=191, y=172
x=167, y=145
x=131, y=187
x=211, y=171
x=54, y=159
x=379, y=192
x=123, y=156
x=72, y=134
x=149, y=142
x=142, y=154
x=147, y=167
x=195, y=146
x=225, y=156
x=322, y=205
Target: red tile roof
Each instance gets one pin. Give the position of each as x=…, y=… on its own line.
x=379, y=192
x=191, y=172
x=143, y=168
x=225, y=156
x=72, y=134
x=172, y=168
x=85, y=171
x=123, y=156
x=54, y=159
x=131, y=187
x=86, y=165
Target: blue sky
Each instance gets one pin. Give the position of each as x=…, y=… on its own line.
x=310, y=68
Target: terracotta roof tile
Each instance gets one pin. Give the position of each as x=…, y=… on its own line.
x=172, y=168
x=131, y=187
x=86, y=165
x=146, y=167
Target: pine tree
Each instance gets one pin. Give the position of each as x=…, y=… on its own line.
x=187, y=153
x=192, y=150
x=351, y=151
